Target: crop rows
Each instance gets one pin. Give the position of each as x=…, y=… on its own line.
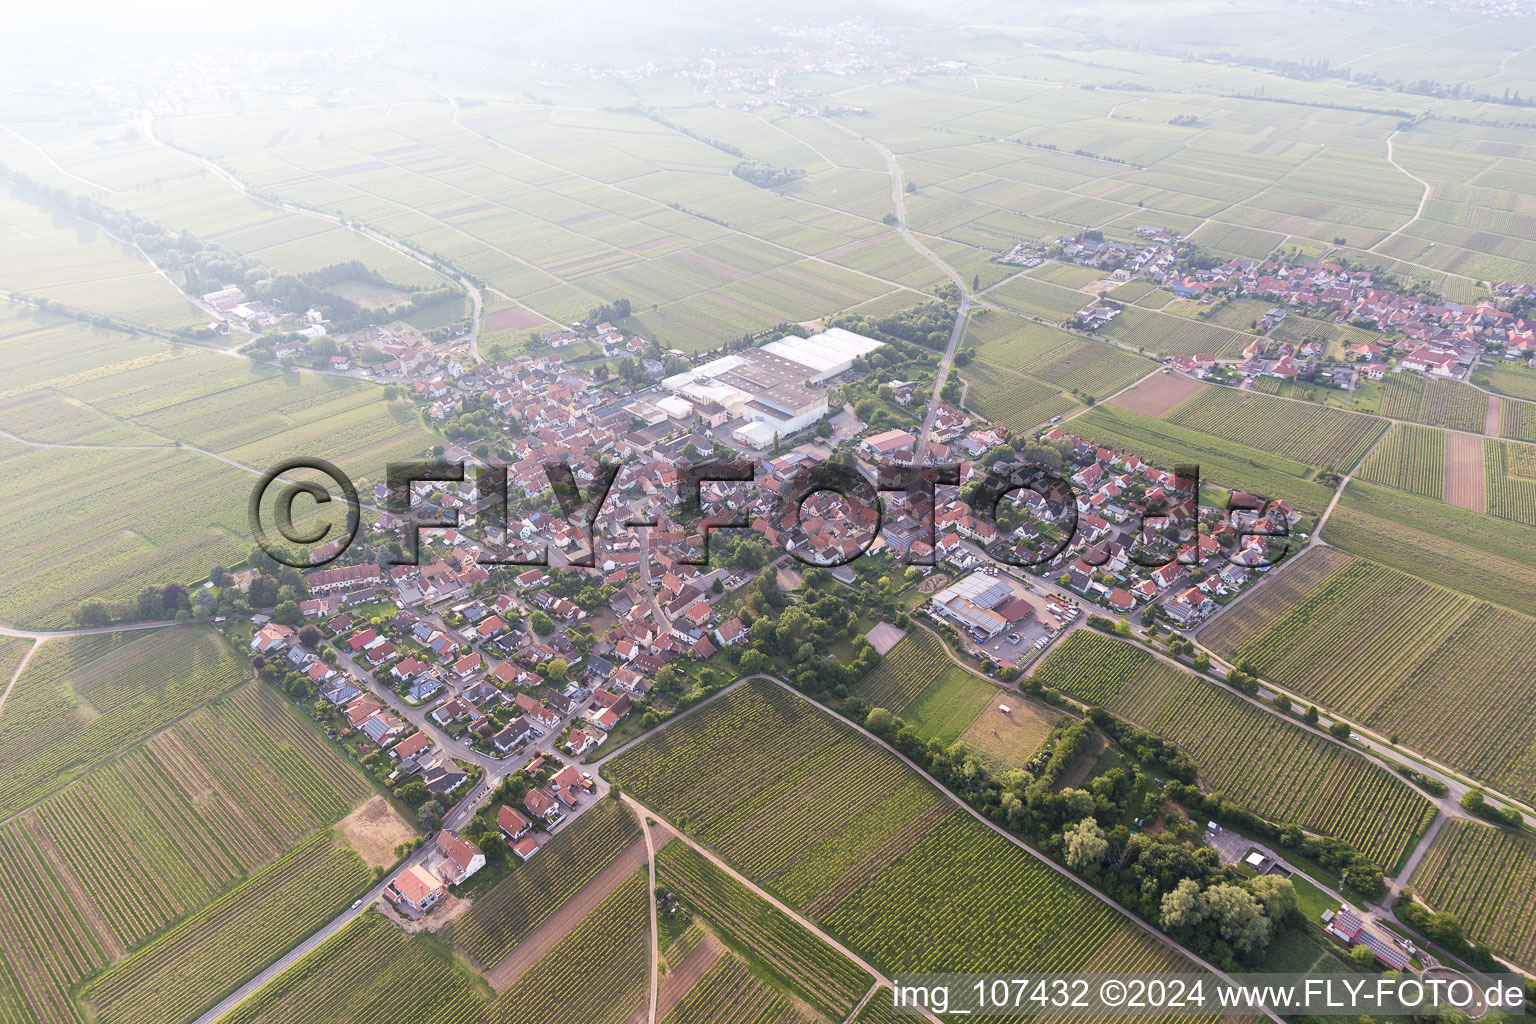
x=1090, y=666
x=1309, y=433
x=46, y=948
x=1517, y=420
x=1347, y=640
x=1409, y=458
x=188, y=969
x=910, y=667
x=1485, y=877
x=1274, y=768
x=1093, y=368
x=500, y=918
x=1480, y=555
x=761, y=777
x=140, y=687
x=368, y=972
x=1450, y=403
x=1509, y=470
x=968, y=900
x=818, y=973
x=595, y=975
x=1012, y=399
x=730, y=994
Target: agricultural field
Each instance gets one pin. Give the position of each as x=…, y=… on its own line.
x=1483, y=876
x=368, y=972
x=597, y=974
x=1297, y=430
x=1170, y=335
x=730, y=991
x=969, y=897
x=500, y=918
x=1517, y=420
x=1089, y=368
x=765, y=937
x=912, y=666
x=1223, y=462
x=1453, y=404
x=1016, y=401
x=1409, y=458
x=1008, y=732
x=160, y=834
x=1514, y=381
x=1090, y=666
x=1476, y=554
x=1509, y=473
x=167, y=513
x=210, y=954
x=1067, y=275
x=763, y=828
x=50, y=254
x=1444, y=673
x=83, y=699
x=928, y=857
x=1278, y=771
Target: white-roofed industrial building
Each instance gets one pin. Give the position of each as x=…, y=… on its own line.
x=827, y=354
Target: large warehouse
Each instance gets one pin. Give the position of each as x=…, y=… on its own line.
x=828, y=354
x=775, y=387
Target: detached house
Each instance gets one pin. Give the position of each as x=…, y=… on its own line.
x=461, y=858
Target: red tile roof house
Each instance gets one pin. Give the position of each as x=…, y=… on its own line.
x=568, y=785
x=414, y=891
x=541, y=804
x=512, y=824
x=461, y=857
x=525, y=848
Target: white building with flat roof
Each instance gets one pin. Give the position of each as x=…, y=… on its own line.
x=827, y=354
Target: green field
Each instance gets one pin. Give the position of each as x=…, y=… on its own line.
x=1307, y=433
x=190, y=968
x=935, y=861
x=83, y=699
x=1479, y=555
x=1409, y=458
x=368, y=972
x=158, y=835
x=1277, y=770
x=596, y=974
x=769, y=940
x=1444, y=672
x=1482, y=875
x=918, y=681
x=501, y=917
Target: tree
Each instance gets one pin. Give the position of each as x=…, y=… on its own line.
x=1237, y=916
x=1277, y=895
x=413, y=794
x=91, y=612
x=753, y=661
x=555, y=670
x=880, y=721
x=1363, y=957
x=1366, y=878
x=1340, y=730
x=288, y=613
x=310, y=637
x=1085, y=845
x=540, y=623
x=1181, y=908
